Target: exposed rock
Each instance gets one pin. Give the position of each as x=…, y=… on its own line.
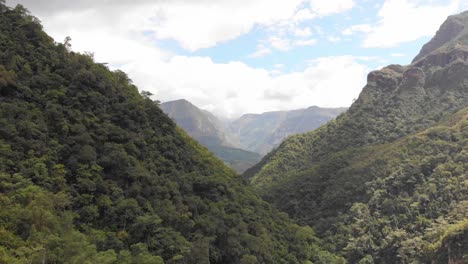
x=386, y=78
x=412, y=82
x=453, y=29
x=458, y=53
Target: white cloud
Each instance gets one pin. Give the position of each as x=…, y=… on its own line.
x=308, y=42
x=260, y=52
x=407, y=20
x=364, y=28
x=333, y=39
x=303, y=15
x=328, y=81
x=195, y=24
x=279, y=43
x=303, y=32
x=464, y=6
x=289, y=33
x=325, y=8
x=198, y=26
x=114, y=34
x=320, y=8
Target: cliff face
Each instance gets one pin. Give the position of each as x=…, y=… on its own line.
x=453, y=31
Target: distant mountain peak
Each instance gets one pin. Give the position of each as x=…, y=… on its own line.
x=183, y=100
x=200, y=124
x=179, y=102
x=452, y=35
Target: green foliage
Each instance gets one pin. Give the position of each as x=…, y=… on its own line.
x=383, y=113
x=92, y=172
x=376, y=182
x=238, y=159
x=381, y=204
x=450, y=242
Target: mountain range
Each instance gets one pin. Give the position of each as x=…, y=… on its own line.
x=210, y=131
x=242, y=142
x=263, y=132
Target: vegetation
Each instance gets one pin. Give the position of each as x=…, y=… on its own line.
x=238, y=159
x=386, y=182
x=93, y=172
x=390, y=203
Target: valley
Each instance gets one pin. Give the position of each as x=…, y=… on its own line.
x=242, y=142
x=94, y=170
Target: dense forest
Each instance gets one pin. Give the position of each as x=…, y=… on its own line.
x=386, y=182
x=93, y=172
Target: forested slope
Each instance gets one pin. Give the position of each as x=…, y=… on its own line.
x=92, y=172
x=389, y=202
x=397, y=101
x=387, y=180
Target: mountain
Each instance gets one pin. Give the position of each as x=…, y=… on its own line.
x=210, y=132
x=262, y=132
x=93, y=172
x=200, y=124
x=237, y=142
x=386, y=181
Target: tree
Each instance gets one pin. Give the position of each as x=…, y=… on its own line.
x=67, y=43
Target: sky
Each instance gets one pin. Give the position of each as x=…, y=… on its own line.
x=247, y=56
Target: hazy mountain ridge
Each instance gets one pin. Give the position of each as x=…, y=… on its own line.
x=262, y=132
x=238, y=141
x=364, y=180
x=198, y=123
x=210, y=131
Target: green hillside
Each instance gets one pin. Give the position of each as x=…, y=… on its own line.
x=388, y=202
x=238, y=159
x=386, y=182
x=92, y=172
